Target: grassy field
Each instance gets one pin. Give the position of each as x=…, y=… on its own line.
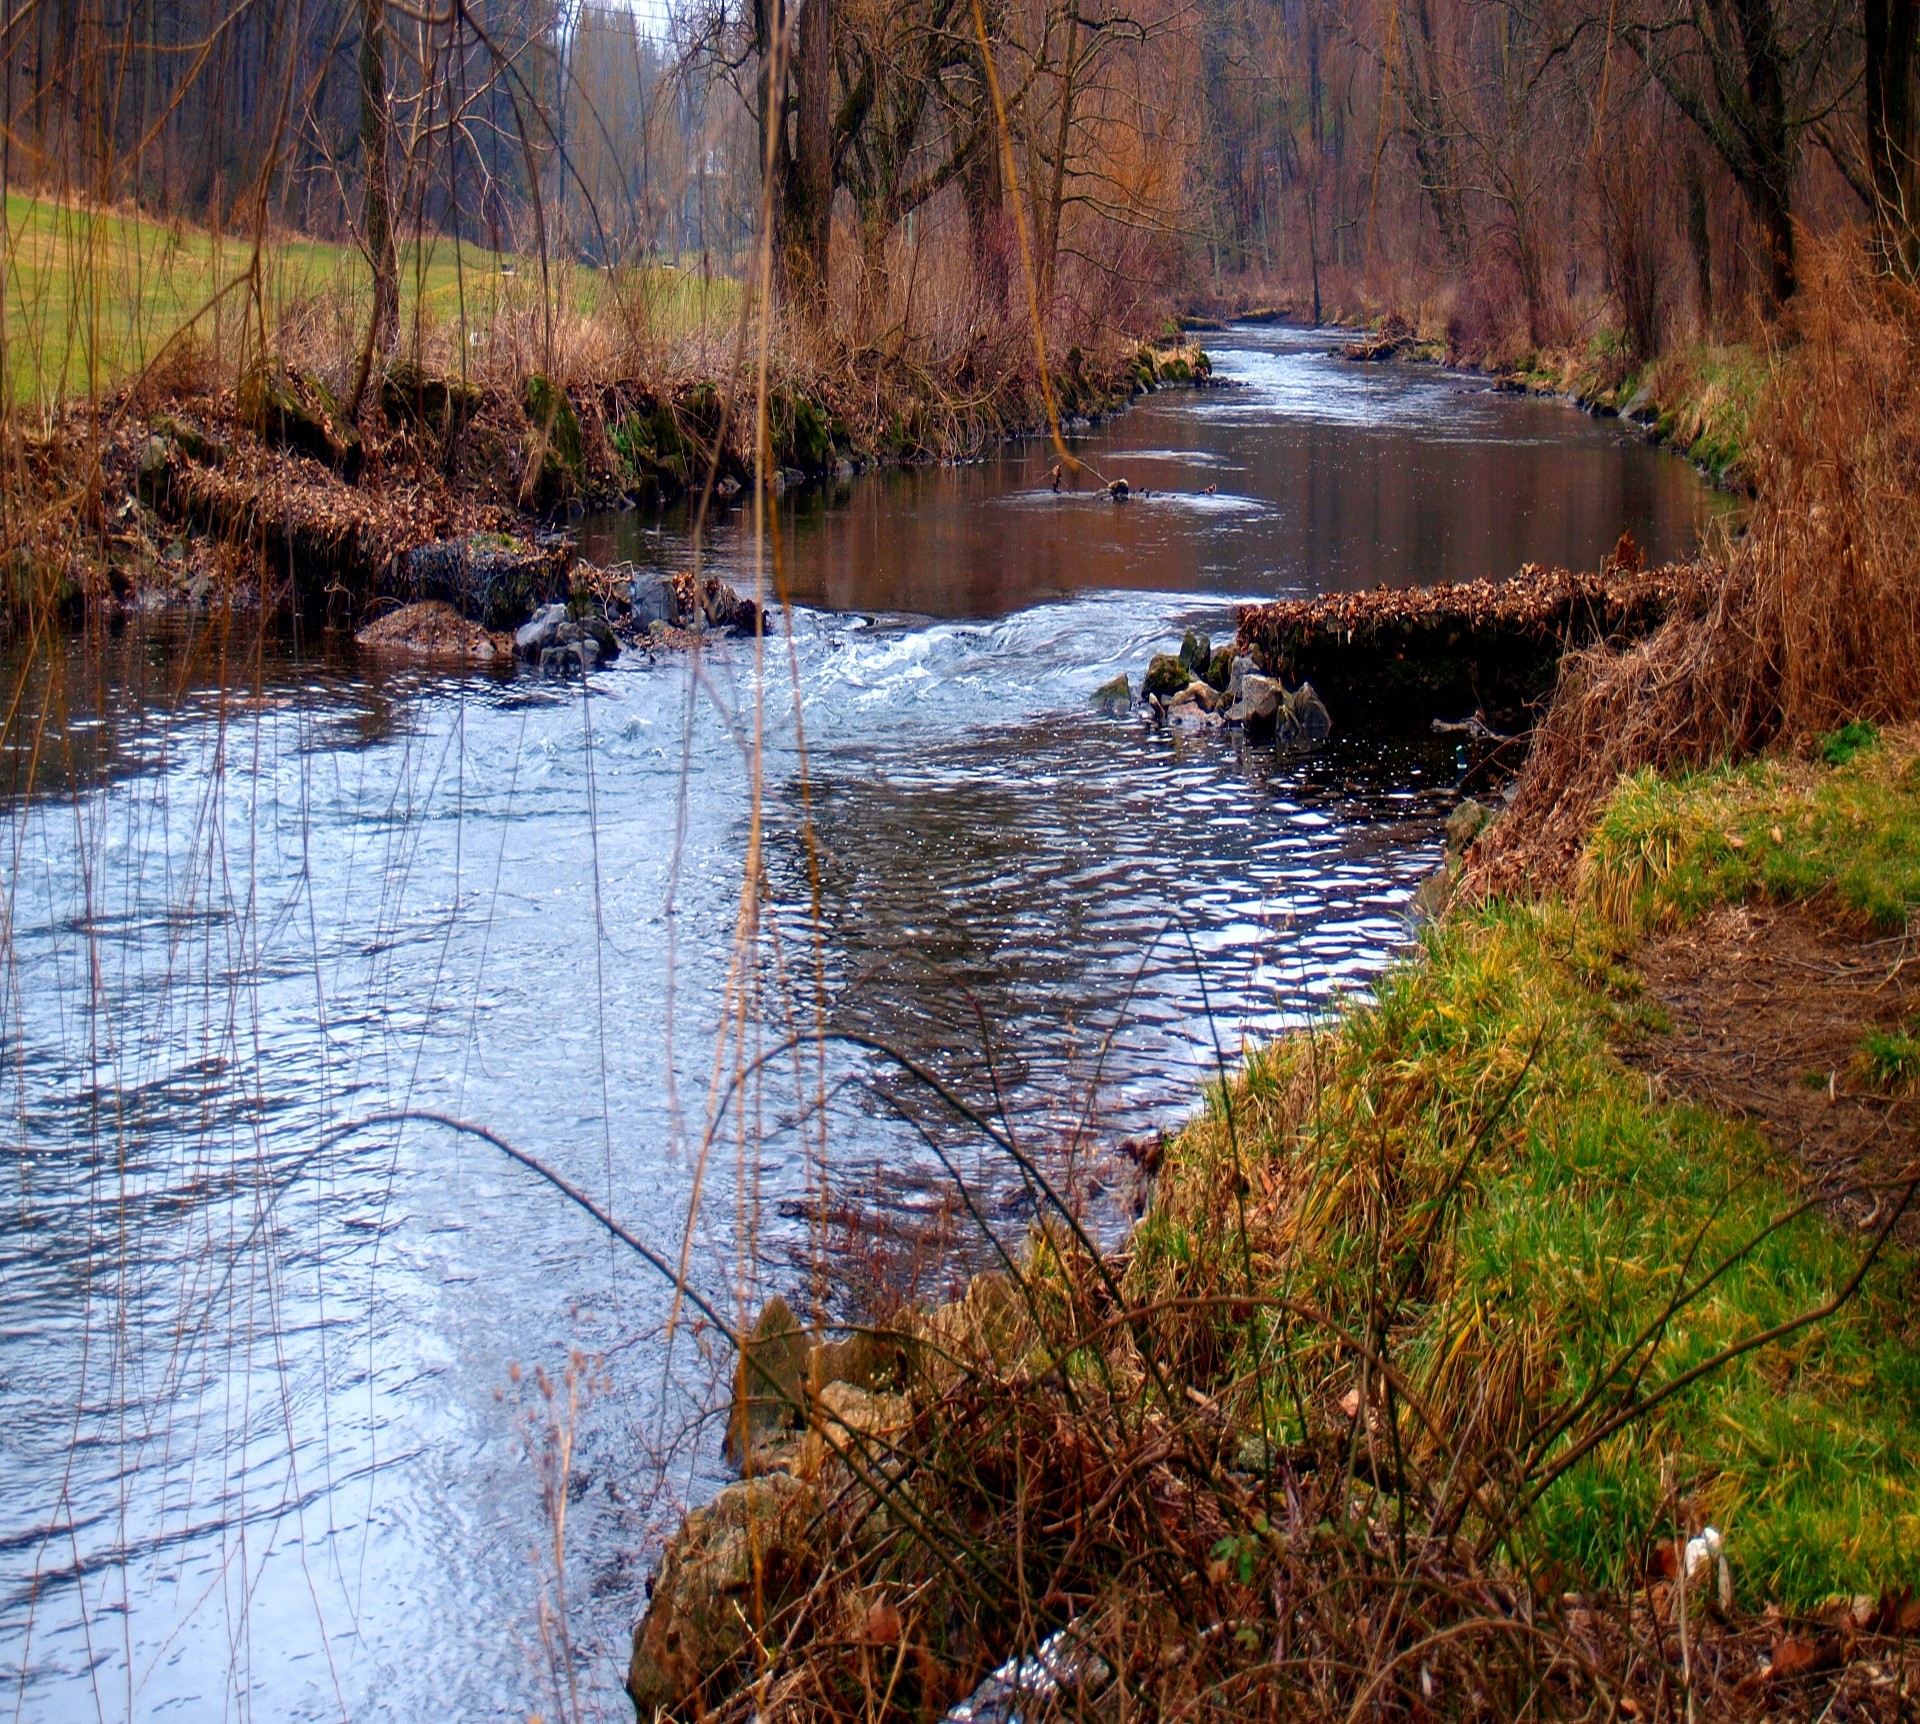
x=92, y=296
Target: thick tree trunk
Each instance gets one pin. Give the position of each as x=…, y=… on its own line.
x=808, y=193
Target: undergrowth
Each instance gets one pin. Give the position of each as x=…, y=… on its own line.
x=1540, y=1216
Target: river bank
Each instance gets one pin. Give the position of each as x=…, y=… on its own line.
x=1532, y=1337
x=269, y=492
x=1489, y=1310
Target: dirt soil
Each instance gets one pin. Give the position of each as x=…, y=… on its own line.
x=1767, y=1007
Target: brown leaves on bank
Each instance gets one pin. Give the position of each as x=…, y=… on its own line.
x=1552, y=604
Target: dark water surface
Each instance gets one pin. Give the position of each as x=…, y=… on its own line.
x=272, y=1427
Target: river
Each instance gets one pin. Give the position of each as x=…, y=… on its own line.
x=282, y=1378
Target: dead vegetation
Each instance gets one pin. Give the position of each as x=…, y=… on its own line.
x=1809, y=620
x=1490, y=647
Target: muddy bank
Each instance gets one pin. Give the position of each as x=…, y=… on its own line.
x=1485, y=650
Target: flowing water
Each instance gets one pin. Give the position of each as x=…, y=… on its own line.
x=283, y=1378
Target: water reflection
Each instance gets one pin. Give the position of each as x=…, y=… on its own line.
x=1325, y=476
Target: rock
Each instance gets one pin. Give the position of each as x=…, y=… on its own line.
x=296, y=412
x=153, y=476
x=556, y=463
x=564, y=657
x=1115, y=698
x=1165, y=675
x=537, y=634
x=1242, y=666
x=1465, y=824
x=1200, y=694
x=669, y=601
x=848, y=1413
x=1220, y=668
x=1306, y=717
x=769, y=1395
x=1258, y=708
x=1196, y=652
x=493, y=578
x=750, y=1550
x=193, y=443
x=431, y=629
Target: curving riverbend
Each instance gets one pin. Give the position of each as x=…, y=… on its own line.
x=273, y=1439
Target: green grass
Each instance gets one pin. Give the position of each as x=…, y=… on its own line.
x=1467, y=1153
x=1890, y=1059
x=1668, y=848
x=93, y=295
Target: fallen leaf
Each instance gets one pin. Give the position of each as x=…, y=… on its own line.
x=882, y=1627
x=1801, y=1654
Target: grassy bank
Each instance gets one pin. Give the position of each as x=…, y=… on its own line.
x=159, y=452
x=1466, y=1166
x=1442, y=1320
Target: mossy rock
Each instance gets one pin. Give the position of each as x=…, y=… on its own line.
x=770, y=1386
x=293, y=411
x=654, y=449
x=1220, y=667
x=1166, y=675
x=556, y=458
x=801, y=435
x=412, y=395
x=1115, y=698
x=755, y=1546
x=1196, y=652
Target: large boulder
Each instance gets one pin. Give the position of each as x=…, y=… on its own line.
x=494, y=578
x=748, y=1553
x=1166, y=676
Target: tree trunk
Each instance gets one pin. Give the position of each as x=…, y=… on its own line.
x=374, y=149
x=1700, y=244
x=1891, y=30
x=809, y=181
